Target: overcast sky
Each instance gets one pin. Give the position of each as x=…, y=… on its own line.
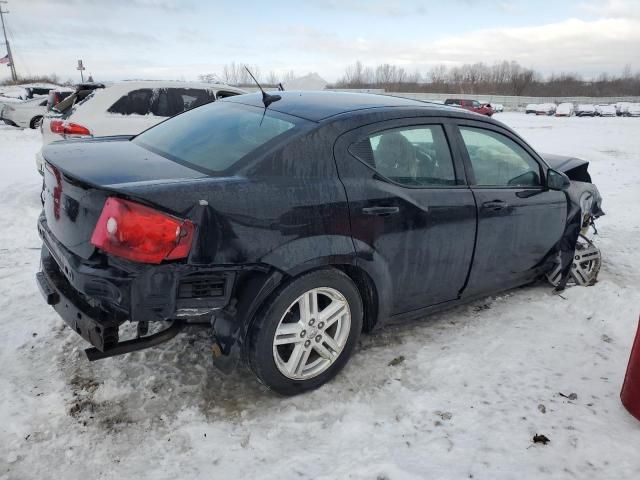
x=180, y=39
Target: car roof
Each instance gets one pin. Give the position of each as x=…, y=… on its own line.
x=136, y=84
x=317, y=106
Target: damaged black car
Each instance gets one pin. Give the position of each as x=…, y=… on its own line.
x=288, y=227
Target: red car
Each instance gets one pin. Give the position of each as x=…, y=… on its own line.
x=471, y=105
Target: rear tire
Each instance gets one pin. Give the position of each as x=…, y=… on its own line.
x=306, y=332
x=35, y=122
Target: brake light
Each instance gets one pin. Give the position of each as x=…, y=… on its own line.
x=57, y=126
x=139, y=233
x=75, y=129
x=61, y=127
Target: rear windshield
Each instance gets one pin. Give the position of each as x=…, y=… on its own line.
x=214, y=137
x=76, y=97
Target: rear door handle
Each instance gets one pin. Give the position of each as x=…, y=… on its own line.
x=495, y=205
x=380, y=211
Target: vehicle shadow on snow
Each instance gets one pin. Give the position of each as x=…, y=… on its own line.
x=155, y=385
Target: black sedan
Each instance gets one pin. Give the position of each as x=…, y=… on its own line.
x=287, y=227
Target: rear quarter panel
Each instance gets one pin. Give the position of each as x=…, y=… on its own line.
x=287, y=209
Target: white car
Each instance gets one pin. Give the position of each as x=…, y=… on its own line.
x=605, y=110
x=546, y=109
x=125, y=108
x=531, y=108
x=26, y=114
x=586, y=110
x=621, y=108
x=26, y=91
x=497, y=107
x=564, y=110
x=632, y=110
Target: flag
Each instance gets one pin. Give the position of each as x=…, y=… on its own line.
x=5, y=59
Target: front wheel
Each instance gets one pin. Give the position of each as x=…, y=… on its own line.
x=585, y=267
x=306, y=333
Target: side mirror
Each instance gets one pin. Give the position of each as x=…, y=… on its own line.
x=557, y=180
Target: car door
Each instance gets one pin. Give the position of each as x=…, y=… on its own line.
x=413, y=218
x=519, y=219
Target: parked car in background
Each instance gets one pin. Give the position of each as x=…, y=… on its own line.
x=287, y=229
x=471, y=105
x=125, y=108
x=26, y=91
x=632, y=110
x=608, y=111
x=27, y=114
x=546, y=109
x=564, y=110
x=585, y=110
x=497, y=107
x=621, y=108
x=531, y=108
x=605, y=110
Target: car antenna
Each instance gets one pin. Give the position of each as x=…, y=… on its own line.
x=267, y=98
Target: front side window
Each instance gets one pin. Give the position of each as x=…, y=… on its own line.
x=499, y=161
x=214, y=137
x=416, y=156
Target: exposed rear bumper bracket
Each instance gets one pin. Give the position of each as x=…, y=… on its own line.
x=136, y=344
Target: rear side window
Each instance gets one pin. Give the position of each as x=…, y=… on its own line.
x=168, y=102
x=416, y=156
x=499, y=161
x=214, y=137
x=136, y=102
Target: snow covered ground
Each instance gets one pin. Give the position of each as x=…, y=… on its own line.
x=465, y=395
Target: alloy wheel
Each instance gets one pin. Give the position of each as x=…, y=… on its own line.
x=312, y=333
x=585, y=266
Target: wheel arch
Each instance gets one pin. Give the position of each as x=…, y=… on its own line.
x=34, y=119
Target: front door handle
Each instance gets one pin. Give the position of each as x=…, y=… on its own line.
x=495, y=205
x=380, y=211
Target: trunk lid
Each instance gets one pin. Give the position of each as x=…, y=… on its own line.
x=80, y=175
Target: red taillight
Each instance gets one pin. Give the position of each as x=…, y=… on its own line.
x=75, y=129
x=142, y=234
x=63, y=128
x=57, y=126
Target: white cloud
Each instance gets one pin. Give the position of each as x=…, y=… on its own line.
x=613, y=8
x=587, y=47
x=606, y=39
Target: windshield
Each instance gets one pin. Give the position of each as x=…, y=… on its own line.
x=214, y=137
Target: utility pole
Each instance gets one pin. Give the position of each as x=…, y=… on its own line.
x=14, y=75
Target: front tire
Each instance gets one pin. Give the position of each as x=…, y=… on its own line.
x=306, y=333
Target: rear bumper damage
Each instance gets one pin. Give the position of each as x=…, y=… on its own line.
x=95, y=297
